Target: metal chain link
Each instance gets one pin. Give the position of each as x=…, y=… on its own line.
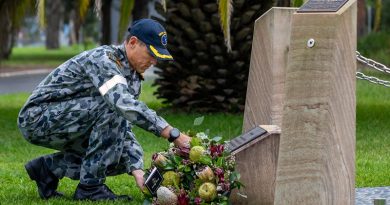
x=372, y=79
x=375, y=65
x=372, y=64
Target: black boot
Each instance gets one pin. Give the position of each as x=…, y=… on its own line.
x=97, y=193
x=46, y=181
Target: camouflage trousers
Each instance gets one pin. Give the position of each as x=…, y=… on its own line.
x=93, y=140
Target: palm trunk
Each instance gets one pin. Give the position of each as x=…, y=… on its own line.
x=53, y=17
x=106, y=22
x=362, y=18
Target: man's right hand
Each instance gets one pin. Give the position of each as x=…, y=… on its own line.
x=183, y=141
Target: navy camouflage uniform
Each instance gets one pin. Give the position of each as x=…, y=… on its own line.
x=86, y=109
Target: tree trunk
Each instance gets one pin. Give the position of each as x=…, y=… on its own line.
x=106, y=22
x=378, y=14
x=362, y=18
x=140, y=9
x=53, y=18
x=283, y=3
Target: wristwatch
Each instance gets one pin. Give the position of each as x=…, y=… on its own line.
x=173, y=134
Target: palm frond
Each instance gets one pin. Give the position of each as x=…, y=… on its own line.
x=164, y=4
x=83, y=8
x=21, y=9
x=41, y=13
x=98, y=8
x=225, y=10
x=125, y=13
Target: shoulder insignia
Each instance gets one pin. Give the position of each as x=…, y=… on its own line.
x=115, y=59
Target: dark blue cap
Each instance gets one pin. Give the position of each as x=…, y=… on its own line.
x=153, y=35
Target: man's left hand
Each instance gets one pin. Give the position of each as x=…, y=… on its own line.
x=139, y=177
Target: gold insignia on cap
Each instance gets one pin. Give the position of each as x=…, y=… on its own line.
x=156, y=53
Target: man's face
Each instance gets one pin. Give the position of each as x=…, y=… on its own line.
x=139, y=56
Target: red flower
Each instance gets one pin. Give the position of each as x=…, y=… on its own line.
x=197, y=200
x=220, y=174
x=183, y=152
x=183, y=198
x=216, y=150
x=225, y=186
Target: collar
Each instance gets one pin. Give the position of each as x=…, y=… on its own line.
x=129, y=71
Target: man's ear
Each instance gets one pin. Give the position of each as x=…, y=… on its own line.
x=133, y=40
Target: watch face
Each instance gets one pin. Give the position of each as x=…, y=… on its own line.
x=175, y=133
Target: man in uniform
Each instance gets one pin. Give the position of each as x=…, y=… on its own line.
x=86, y=108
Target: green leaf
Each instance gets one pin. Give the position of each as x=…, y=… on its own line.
x=205, y=160
x=195, y=142
x=177, y=159
x=216, y=139
x=198, y=121
x=220, y=162
x=187, y=169
x=147, y=202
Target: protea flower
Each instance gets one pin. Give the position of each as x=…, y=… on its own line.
x=183, y=198
x=220, y=174
x=165, y=196
x=182, y=151
x=206, y=174
x=197, y=200
x=196, y=153
x=207, y=191
x=223, y=187
x=171, y=178
x=159, y=160
x=216, y=150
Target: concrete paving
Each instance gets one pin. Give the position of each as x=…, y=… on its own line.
x=366, y=196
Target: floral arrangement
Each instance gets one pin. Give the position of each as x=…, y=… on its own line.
x=203, y=173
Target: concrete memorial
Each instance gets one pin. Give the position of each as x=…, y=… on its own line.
x=302, y=79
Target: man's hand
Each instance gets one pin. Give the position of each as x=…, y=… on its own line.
x=182, y=141
x=139, y=177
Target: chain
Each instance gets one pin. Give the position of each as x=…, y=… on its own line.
x=372, y=64
x=372, y=79
x=375, y=65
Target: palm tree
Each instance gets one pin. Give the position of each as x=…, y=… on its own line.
x=206, y=75
x=11, y=15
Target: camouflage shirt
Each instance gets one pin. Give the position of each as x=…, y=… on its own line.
x=103, y=71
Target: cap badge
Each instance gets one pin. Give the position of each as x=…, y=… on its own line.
x=164, y=39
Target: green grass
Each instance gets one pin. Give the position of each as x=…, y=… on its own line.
x=376, y=46
x=41, y=57
x=17, y=188
x=372, y=145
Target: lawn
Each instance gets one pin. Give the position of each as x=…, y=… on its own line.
x=39, y=57
x=17, y=188
x=372, y=145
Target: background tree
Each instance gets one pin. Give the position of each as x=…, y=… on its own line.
x=11, y=15
x=378, y=15
x=205, y=75
x=54, y=15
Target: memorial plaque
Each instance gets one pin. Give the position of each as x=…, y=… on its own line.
x=153, y=181
x=244, y=139
x=321, y=6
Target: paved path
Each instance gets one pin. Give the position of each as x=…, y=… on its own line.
x=365, y=196
x=26, y=81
